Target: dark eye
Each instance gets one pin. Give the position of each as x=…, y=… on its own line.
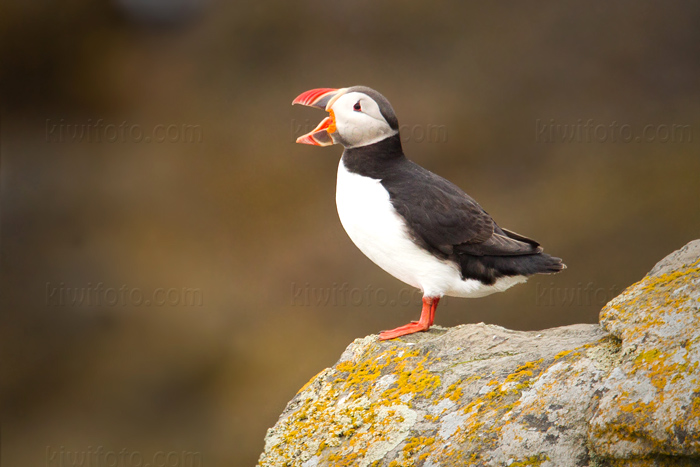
x=357, y=107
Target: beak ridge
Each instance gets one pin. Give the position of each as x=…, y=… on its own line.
x=317, y=98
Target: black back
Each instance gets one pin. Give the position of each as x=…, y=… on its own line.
x=444, y=220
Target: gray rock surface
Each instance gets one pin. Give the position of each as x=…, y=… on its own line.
x=651, y=401
x=623, y=393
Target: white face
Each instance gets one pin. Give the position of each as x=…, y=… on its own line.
x=358, y=120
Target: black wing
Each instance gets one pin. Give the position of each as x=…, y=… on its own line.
x=445, y=219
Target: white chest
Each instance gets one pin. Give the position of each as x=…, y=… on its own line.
x=374, y=226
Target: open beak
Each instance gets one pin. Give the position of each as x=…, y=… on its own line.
x=321, y=135
x=322, y=98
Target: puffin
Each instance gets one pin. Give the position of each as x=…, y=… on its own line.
x=417, y=226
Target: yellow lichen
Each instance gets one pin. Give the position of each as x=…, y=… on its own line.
x=352, y=424
x=453, y=392
x=660, y=333
x=524, y=372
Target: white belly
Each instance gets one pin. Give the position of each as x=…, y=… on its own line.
x=374, y=226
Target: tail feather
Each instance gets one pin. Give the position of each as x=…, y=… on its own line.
x=489, y=268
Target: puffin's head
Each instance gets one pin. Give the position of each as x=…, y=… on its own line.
x=359, y=116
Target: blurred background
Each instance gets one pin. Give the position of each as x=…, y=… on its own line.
x=173, y=268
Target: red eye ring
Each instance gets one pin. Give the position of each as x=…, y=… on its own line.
x=357, y=107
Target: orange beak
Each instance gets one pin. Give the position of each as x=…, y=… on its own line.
x=321, y=98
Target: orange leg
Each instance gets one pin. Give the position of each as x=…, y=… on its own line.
x=436, y=300
x=427, y=317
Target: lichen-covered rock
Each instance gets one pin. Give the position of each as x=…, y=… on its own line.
x=475, y=392
x=650, y=403
x=486, y=396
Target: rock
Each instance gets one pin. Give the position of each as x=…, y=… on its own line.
x=626, y=393
x=650, y=403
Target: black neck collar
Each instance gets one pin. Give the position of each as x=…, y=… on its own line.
x=374, y=160
x=388, y=148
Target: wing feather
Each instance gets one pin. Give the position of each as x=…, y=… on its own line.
x=449, y=221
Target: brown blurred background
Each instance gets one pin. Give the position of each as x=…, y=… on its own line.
x=246, y=219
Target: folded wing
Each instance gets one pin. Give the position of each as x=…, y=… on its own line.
x=447, y=220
